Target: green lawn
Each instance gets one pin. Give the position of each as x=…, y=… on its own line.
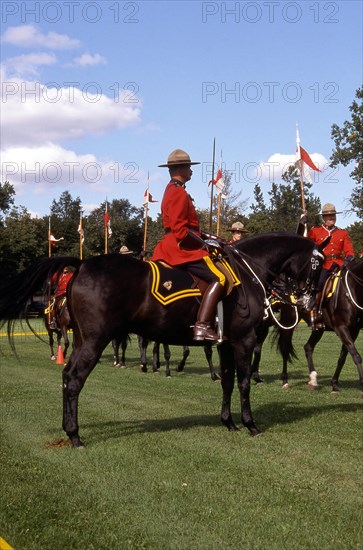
x=159, y=471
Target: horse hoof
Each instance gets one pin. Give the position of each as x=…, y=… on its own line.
x=285, y=386
x=143, y=368
x=312, y=386
x=52, y=358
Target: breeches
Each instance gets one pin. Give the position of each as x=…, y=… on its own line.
x=206, y=270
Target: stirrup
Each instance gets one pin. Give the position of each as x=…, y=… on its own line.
x=203, y=332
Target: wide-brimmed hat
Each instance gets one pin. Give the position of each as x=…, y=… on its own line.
x=238, y=226
x=125, y=250
x=329, y=208
x=177, y=157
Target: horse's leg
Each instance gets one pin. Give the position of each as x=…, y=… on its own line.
x=228, y=374
x=167, y=355
x=348, y=338
x=51, y=344
x=143, y=343
x=208, y=352
x=181, y=364
x=116, y=347
x=66, y=340
x=243, y=356
x=262, y=334
x=124, y=343
x=338, y=370
x=287, y=351
x=156, y=356
x=309, y=350
x=74, y=374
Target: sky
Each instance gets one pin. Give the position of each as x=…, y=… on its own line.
x=95, y=95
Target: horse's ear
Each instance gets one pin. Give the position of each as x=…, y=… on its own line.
x=324, y=244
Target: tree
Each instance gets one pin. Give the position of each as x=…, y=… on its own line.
x=231, y=208
x=7, y=194
x=348, y=141
x=24, y=239
x=65, y=214
x=283, y=212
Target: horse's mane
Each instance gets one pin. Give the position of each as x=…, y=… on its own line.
x=262, y=240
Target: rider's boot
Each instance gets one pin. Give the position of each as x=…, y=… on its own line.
x=202, y=328
x=316, y=316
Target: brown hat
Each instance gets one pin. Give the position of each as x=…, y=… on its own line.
x=238, y=226
x=125, y=250
x=328, y=208
x=177, y=157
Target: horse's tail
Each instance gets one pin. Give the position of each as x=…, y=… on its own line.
x=282, y=339
x=15, y=292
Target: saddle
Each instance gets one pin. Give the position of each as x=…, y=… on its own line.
x=330, y=287
x=170, y=284
x=57, y=307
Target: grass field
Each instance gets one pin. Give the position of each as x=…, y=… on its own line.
x=159, y=471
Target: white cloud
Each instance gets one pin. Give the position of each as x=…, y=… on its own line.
x=33, y=114
x=27, y=64
x=88, y=59
x=51, y=166
x=278, y=163
x=28, y=36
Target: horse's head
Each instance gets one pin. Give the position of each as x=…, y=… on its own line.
x=301, y=271
x=287, y=264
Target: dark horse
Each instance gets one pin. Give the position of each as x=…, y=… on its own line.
x=342, y=313
x=63, y=321
x=109, y=297
x=143, y=345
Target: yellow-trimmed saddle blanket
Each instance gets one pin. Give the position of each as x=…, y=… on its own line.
x=170, y=284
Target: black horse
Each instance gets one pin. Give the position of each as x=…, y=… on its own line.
x=143, y=345
x=63, y=325
x=342, y=313
x=110, y=297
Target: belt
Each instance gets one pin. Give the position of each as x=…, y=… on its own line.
x=168, y=230
x=333, y=257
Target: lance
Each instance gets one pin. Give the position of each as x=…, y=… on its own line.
x=49, y=243
x=106, y=229
x=303, y=206
x=211, y=192
x=146, y=212
x=80, y=230
x=219, y=201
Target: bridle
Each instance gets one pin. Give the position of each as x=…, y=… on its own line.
x=292, y=293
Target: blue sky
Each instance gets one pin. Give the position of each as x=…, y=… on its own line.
x=96, y=94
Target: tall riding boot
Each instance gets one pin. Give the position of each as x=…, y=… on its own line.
x=202, y=328
x=316, y=317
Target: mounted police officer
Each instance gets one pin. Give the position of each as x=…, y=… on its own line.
x=238, y=231
x=338, y=250
x=183, y=245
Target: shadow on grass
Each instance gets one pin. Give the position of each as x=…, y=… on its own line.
x=266, y=416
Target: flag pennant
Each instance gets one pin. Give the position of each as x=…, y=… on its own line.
x=107, y=221
x=81, y=232
x=302, y=155
x=219, y=183
x=148, y=197
x=53, y=240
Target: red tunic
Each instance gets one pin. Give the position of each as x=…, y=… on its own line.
x=61, y=283
x=340, y=245
x=178, y=216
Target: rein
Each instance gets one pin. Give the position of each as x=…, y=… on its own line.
x=356, y=278
x=268, y=300
x=313, y=260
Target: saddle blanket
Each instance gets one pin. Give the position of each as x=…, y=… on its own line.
x=170, y=284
